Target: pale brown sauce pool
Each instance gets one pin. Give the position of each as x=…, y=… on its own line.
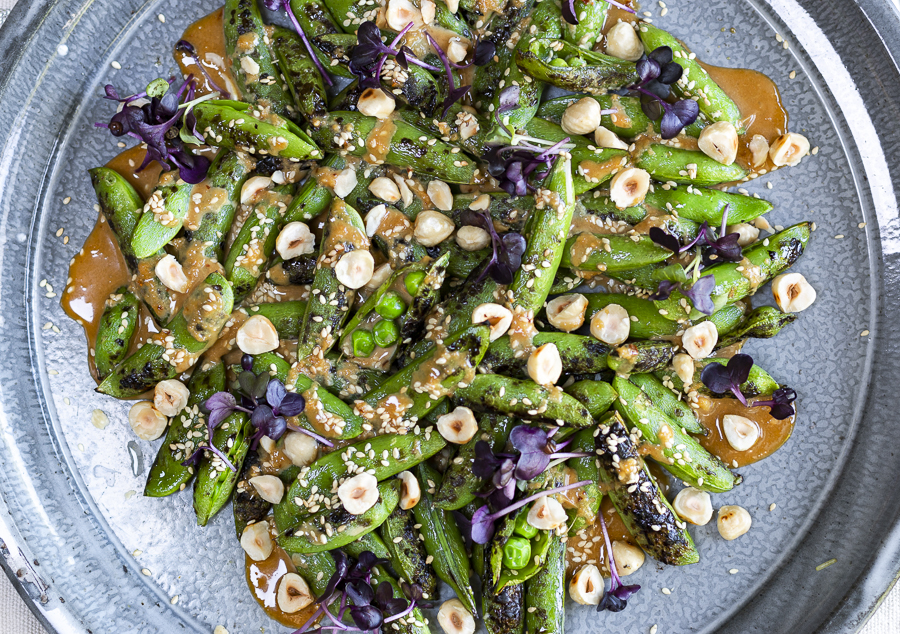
x=773, y=433
x=263, y=578
x=595, y=549
x=207, y=35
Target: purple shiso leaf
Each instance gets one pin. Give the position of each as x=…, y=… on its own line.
x=700, y=294
x=779, y=405
x=568, y=11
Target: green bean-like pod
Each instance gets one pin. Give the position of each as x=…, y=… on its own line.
x=596, y=396
x=579, y=354
x=501, y=26
x=645, y=320
x=669, y=403
x=545, y=593
x=166, y=209
x=589, y=30
x=312, y=198
x=641, y=356
x=584, y=71
x=294, y=272
x=300, y=72
x=688, y=167
x=707, y=205
x=598, y=252
x=215, y=480
x=504, y=611
x=121, y=205
x=587, y=498
x=408, y=554
x=762, y=323
x=727, y=318
x=333, y=52
x=116, y=330
x=314, y=17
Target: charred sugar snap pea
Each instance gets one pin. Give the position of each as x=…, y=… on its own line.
x=117, y=327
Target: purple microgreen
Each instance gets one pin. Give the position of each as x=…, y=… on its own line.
x=187, y=49
x=506, y=256
x=568, y=11
x=532, y=445
x=700, y=294
x=485, y=51
x=780, y=404
x=454, y=94
x=722, y=378
x=657, y=73
x=624, y=7
x=483, y=520
x=665, y=239
x=616, y=599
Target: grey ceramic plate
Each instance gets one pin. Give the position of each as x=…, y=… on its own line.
x=95, y=556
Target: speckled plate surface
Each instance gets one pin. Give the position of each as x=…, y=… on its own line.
x=95, y=556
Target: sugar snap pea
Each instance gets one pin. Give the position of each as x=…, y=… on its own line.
x=762, y=323
x=591, y=17
x=690, y=167
x=641, y=356
x=116, y=330
x=320, y=531
x=646, y=322
x=315, y=18
x=637, y=497
x=545, y=593
x=503, y=611
x=664, y=399
x=524, y=399
x=500, y=29
x=121, y=205
x=586, y=498
x=248, y=505
x=408, y=554
x=594, y=252
x=530, y=555
x=727, y=318
x=318, y=482
x=579, y=354
x=163, y=215
x=215, y=480
x=693, y=464
x=596, y=396
x=169, y=474
x=706, y=205
x=303, y=79
x=584, y=71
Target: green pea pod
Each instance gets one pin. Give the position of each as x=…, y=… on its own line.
x=641, y=356
x=252, y=62
x=248, y=506
x=646, y=322
x=589, y=30
x=707, y=205
x=624, y=115
x=233, y=125
x=300, y=72
x=494, y=550
x=333, y=418
x=501, y=26
x=584, y=72
x=579, y=354
x=694, y=81
x=596, y=252
x=460, y=485
x=408, y=554
x=164, y=215
x=511, y=212
x=443, y=540
x=762, y=323
x=193, y=331
x=359, y=135
x=319, y=532
x=297, y=271
x=504, y=611
x=540, y=547
x=116, y=330
x=524, y=399
x=666, y=401
x=215, y=480
x=596, y=396
x=316, y=569
x=643, y=277
x=315, y=18
x=693, y=464
x=727, y=318
x=121, y=205
x=287, y=317
x=169, y=474
x=587, y=498
x=255, y=242
x=758, y=382
x=634, y=492
x=599, y=210
x=545, y=594
x=333, y=52
x=689, y=167
x=736, y=280
x=403, y=451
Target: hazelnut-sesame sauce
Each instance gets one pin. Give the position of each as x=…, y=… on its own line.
x=324, y=422
x=204, y=200
x=752, y=274
x=595, y=172
x=584, y=246
x=207, y=35
x=378, y=142
x=397, y=232
x=773, y=433
x=263, y=577
x=522, y=332
x=587, y=546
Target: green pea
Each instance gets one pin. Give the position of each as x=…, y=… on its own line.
x=390, y=306
x=523, y=528
x=363, y=343
x=577, y=62
x=559, y=62
x=413, y=281
x=386, y=333
x=516, y=553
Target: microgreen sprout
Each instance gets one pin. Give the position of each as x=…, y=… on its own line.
x=616, y=599
x=780, y=405
x=507, y=250
x=569, y=12
x=729, y=377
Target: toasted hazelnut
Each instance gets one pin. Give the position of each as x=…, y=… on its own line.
x=295, y=240
x=410, y=491
x=170, y=273
x=345, y=182
x=629, y=186
x=740, y=432
x=684, y=367
x=359, y=493
x=257, y=335
x=623, y=42
x=480, y=203
x=406, y=195
x=374, y=102
x=373, y=219
x=256, y=541
x=400, y=13
x=249, y=65
x=429, y=10
x=759, y=150
x=699, y=340
x=611, y=324
x=566, y=312
x=628, y=558
x=608, y=139
x=582, y=116
x=472, y=238
x=170, y=397
x=301, y=448
x=544, y=364
x=747, y=233
x=269, y=487
x=792, y=292
x=253, y=186
x=694, y=506
x=440, y=195
x=733, y=521
x=380, y=276
x=499, y=317
x=293, y=593
x=459, y=426
x=385, y=189
x=719, y=141
x=468, y=127
x=547, y=514
x=587, y=586
x=355, y=269
x=789, y=149
x=454, y=618
x=146, y=421
x=432, y=228
x=457, y=50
